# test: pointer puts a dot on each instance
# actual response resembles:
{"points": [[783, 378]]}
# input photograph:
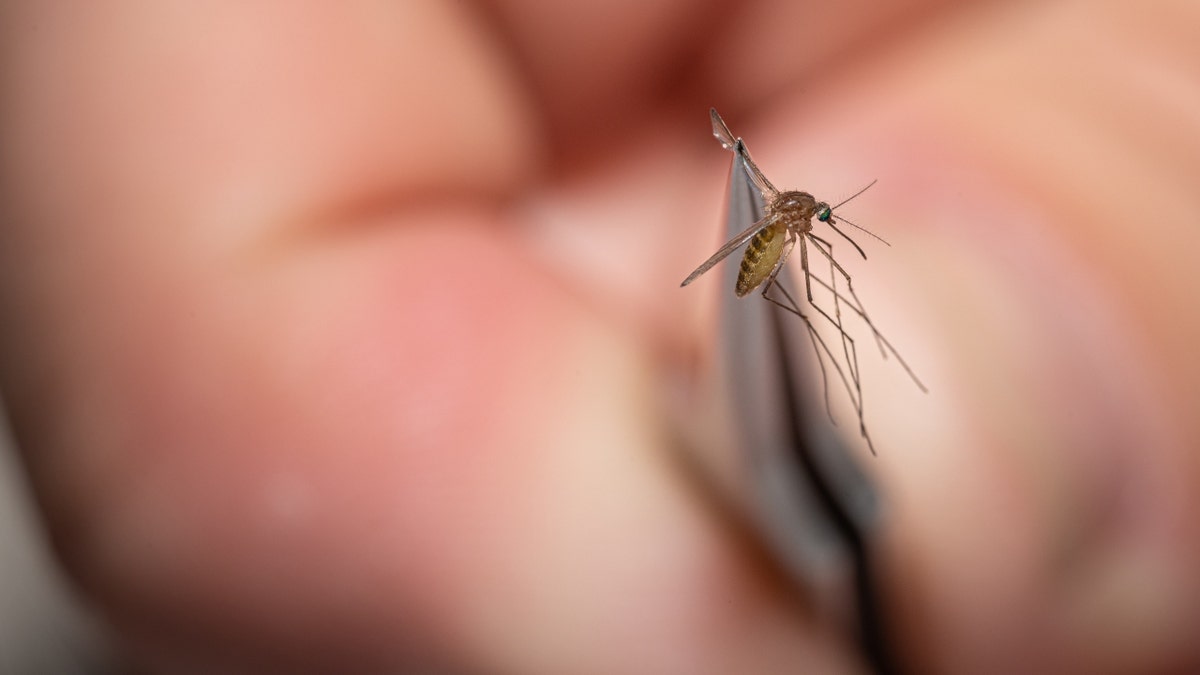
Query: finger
{"points": [[290, 392]]}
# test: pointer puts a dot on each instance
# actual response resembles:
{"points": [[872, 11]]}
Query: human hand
{"points": [[331, 336]]}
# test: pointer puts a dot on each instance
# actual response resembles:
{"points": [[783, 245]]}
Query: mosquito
{"points": [[786, 222]]}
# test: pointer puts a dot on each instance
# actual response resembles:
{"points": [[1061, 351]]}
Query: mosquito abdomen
{"points": [[760, 258]]}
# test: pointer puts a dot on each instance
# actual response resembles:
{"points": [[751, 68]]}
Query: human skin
{"points": [[334, 336]]}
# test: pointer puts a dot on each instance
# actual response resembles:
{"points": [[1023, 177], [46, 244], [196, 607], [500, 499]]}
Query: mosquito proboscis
{"points": [[787, 221]]}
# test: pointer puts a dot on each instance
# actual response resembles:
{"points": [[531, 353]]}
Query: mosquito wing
{"points": [[729, 247], [738, 147], [721, 131]]}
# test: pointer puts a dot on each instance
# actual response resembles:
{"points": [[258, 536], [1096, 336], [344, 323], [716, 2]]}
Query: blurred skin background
{"points": [[334, 337]]}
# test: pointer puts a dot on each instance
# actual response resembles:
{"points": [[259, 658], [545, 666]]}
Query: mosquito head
{"points": [[824, 213]]}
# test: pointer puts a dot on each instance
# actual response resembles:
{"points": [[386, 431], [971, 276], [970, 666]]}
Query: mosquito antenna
{"points": [[868, 187], [858, 227]]}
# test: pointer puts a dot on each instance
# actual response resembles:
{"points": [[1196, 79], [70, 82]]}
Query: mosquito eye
{"points": [[823, 216]]}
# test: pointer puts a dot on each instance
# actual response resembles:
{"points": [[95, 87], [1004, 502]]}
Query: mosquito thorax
{"points": [[795, 209]]}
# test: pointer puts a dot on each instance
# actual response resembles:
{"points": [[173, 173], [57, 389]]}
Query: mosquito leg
{"points": [[853, 391], [852, 357], [819, 344], [804, 266], [886, 343], [847, 341], [885, 346], [851, 352], [827, 251], [849, 348], [814, 338], [794, 308]]}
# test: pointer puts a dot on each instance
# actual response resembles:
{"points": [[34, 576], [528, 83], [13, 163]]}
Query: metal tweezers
{"points": [[814, 506]]}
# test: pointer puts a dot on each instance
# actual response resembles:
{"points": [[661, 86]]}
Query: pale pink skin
{"points": [[333, 337]]}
